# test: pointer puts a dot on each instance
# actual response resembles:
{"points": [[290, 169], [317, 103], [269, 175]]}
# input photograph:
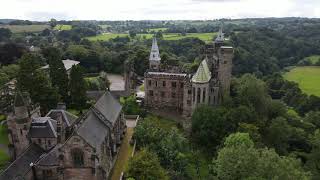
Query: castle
{"points": [[183, 92], [61, 145]]}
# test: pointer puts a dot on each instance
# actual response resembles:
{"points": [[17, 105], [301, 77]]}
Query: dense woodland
{"points": [[267, 129]]}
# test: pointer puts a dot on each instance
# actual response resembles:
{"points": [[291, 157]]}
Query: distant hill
{"points": [[6, 21]]}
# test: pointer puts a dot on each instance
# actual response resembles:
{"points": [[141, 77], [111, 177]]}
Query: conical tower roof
{"points": [[203, 74], [154, 54]]}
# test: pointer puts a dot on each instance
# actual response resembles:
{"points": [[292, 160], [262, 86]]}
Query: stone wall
{"points": [[165, 91]]}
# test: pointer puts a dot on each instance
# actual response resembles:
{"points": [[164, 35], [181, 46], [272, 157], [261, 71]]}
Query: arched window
{"points": [[77, 157]]}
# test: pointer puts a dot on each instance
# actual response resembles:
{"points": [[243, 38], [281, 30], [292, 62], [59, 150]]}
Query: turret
{"points": [[154, 59], [219, 41], [18, 126], [200, 85]]}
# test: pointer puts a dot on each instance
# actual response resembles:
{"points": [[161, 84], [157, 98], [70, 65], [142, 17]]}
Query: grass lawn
{"points": [[157, 29], [313, 59], [4, 135], [4, 158], [124, 156], [2, 117], [62, 27], [25, 28], [308, 78], [207, 37], [106, 37]]}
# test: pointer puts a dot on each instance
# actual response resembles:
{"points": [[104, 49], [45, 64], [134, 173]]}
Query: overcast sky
{"points": [[156, 9]]}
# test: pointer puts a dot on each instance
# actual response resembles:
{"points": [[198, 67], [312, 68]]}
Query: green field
{"points": [[62, 27], [313, 59], [207, 37], [157, 29], [308, 78], [25, 28]]}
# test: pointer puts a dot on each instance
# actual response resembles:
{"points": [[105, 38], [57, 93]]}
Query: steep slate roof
{"points": [[43, 127], [99, 120], [93, 130], [109, 107], [51, 158], [67, 117], [21, 166], [203, 74]]}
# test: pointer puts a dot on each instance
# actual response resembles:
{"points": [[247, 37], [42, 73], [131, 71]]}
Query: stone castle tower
{"points": [[19, 122], [183, 92], [154, 59], [212, 79]]}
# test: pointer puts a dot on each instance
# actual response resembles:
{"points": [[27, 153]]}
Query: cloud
{"points": [[155, 9]]}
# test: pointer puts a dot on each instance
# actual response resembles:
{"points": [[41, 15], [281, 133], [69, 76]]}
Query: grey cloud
{"points": [[44, 16]]}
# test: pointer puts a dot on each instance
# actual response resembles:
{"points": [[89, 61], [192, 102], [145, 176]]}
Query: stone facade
{"points": [[61, 146], [182, 92]]}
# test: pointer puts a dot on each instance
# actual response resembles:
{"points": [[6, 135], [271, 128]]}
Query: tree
{"points": [[210, 126], [130, 106], [77, 87], [43, 93], [58, 73], [253, 92], [132, 33], [10, 53], [53, 22], [313, 159], [5, 34], [28, 63], [145, 166], [239, 159]]}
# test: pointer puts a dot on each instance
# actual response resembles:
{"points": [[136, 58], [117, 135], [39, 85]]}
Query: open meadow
{"points": [[308, 78], [25, 28], [207, 37], [61, 27]]}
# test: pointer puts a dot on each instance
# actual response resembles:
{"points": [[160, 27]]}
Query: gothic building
{"points": [[183, 92], [62, 146]]}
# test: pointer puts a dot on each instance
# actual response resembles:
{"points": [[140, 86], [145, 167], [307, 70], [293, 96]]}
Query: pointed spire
{"points": [[154, 54], [220, 37], [19, 100]]}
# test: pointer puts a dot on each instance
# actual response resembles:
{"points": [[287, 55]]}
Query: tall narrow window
{"points": [[204, 95], [164, 83], [193, 94], [198, 95], [149, 82], [174, 84], [156, 83], [173, 95], [151, 93], [77, 157]]}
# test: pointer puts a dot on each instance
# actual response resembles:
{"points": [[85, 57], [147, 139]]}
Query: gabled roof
{"points": [[203, 74], [21, 166], [109, 107], [51, 158], [66, 117], [93, 130], [43, 127]]}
